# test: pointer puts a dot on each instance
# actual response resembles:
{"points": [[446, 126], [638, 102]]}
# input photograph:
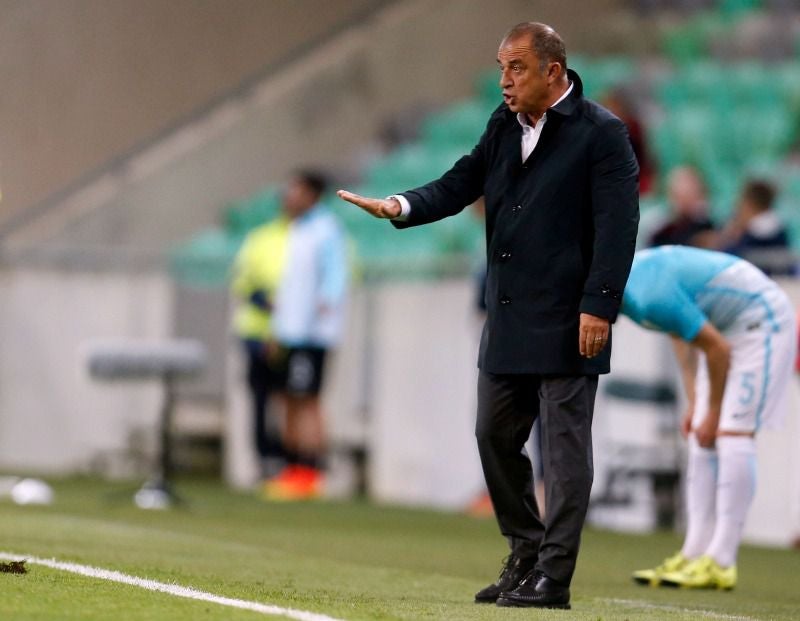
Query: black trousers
{"points": [[508, 405], [261, 379]]}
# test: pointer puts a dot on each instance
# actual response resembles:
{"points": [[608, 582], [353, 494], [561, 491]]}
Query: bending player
{"points": [[735, 337]]}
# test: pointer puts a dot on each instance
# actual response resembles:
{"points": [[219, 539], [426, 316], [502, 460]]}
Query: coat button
{"points": [[505, 256], [516, 208], [505, 300]]}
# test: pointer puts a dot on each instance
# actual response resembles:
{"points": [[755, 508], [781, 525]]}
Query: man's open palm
{"points": [[378, 207]]}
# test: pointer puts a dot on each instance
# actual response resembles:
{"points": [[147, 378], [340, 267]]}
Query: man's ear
{"points": [[554, 71]]}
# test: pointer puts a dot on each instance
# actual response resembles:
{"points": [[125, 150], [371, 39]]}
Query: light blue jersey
{"points": [[309, 303], [676, 289]]}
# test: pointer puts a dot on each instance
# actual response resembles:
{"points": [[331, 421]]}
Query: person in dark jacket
{"points": [[560, 183], [756, 231], [689, 223]]}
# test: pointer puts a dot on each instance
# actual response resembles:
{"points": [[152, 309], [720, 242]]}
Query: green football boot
{"points": [[652, 577], [702, 573]]}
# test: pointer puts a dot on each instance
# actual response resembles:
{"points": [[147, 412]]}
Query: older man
{"points": [[560, 183]]}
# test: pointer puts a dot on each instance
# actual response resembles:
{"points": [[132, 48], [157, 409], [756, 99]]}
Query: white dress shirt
{"points": [[532, 133]]}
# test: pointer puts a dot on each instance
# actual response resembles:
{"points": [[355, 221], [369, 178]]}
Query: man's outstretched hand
{"points": [[378, 207]]}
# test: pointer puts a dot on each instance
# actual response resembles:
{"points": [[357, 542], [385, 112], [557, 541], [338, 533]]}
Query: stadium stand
{"points": [[703, 105]]}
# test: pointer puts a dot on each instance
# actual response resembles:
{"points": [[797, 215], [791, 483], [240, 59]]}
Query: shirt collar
{"points": [[522, 118]]}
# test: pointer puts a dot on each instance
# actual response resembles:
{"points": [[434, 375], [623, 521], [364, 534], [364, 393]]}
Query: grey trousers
{"points": [[507, 407]]}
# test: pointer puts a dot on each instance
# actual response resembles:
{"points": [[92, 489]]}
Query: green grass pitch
{"points": [[349, 560]]}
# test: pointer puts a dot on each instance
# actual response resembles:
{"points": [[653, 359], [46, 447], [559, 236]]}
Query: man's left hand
{"points": [[593, 334]]}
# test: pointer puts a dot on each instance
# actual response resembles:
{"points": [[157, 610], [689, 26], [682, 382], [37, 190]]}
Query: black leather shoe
{"points": [[536, 590], [514, 570]]}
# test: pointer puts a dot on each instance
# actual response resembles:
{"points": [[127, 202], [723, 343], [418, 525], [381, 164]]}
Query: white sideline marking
{"points": [[635, 603], [170, 589]]}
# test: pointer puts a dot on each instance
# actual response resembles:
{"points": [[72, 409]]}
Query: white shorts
{"points": [[763, 348]]}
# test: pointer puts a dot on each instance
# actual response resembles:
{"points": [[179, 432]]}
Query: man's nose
{"points": [[505, 79]]}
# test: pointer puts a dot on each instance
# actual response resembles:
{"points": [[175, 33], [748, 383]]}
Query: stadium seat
{"points": [[683, 45], [205, 260], [458, 126], [729, 8], [600, 75], [244, 215], [487, 88], [411, 166]]}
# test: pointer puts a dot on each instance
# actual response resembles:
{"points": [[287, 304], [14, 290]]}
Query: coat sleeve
{"points": [[614, 180], [459, 187]]}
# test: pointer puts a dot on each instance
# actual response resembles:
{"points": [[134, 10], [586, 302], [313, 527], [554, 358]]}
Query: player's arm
{"points": [[718, 356], [686, 355], [677, 314]]}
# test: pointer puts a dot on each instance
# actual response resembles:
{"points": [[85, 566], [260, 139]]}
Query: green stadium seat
{"points": [[662, 143], [754, 83], [458, 126], [606, 74], [689, 42], [685, 45], [411, 166], [731, 8], [786, 79], [206, 259], [702, 81], [723, 181], [487, 88], [788, 203], [245, 215], [462, 234]]}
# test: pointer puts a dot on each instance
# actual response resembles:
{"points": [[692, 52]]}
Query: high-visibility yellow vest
{"points": [[258, 267]]}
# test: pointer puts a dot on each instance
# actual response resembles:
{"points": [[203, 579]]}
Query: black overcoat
{"points": [[560, 231]]}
